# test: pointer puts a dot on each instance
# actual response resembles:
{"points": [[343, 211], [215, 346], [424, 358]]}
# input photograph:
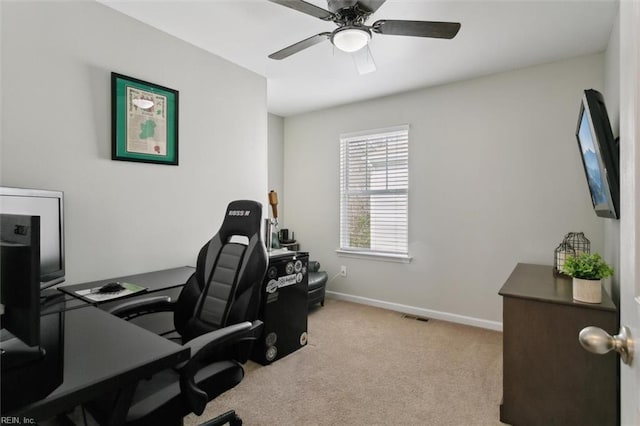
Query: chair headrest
{"points": [[243, 217]]}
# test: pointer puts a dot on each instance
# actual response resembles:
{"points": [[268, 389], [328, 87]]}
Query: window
{"points": [[374, 192]]}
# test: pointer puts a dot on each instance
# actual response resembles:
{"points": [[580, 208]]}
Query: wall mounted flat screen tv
{"points": [[49, 206], [600, 154]]}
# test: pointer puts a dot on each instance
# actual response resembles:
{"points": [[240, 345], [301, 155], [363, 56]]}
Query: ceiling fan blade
{"points": [[416, 28], [308, 8], [364, 60], [301, 45]]}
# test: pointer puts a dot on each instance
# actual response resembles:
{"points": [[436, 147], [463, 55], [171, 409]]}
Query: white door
{"points": [[630, 204]]}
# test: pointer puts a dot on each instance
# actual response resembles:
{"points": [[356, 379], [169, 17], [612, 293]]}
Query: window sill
{"points": [[385, 257]]}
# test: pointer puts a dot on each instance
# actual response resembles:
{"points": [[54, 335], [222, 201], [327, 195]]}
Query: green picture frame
{"points": [[144, 121]]}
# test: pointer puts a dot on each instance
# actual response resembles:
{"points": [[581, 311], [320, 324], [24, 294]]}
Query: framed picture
{"points": [[144, 120]]}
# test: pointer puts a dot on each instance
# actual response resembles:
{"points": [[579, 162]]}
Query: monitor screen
{"points": [[599, 154], [49, 206], [595, 179]]}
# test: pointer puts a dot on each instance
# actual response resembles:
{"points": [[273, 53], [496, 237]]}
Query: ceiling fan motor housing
{"points": [[366, 6], [337, 5], [351, 12]]}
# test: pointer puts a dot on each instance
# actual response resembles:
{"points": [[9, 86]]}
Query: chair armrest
{"points": [[139, 307], [217, 337], [206, 349], [208, 345]]}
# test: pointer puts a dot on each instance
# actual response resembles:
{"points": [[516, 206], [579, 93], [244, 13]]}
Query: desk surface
{"points": [[153, 281], [101, 354]]}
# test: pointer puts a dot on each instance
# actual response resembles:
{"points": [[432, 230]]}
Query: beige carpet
{"points": [[370, 366]]}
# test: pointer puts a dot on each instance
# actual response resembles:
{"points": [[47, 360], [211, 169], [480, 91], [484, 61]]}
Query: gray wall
{"points": [[124, 217], [495, 179], [276, 162]]}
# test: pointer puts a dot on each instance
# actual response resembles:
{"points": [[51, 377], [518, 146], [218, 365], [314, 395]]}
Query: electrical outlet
{"points": [[343, 271]]}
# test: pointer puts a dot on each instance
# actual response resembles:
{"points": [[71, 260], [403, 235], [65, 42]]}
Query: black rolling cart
{"points": [[283, 307]]}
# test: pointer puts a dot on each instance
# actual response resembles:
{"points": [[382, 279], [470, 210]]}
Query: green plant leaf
{"points": [[587, 266]]}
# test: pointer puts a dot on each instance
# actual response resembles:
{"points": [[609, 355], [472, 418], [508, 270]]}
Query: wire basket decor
{"points": [[573, 244]]}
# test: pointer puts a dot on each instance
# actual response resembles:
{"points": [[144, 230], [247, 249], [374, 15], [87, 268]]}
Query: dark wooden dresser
{"points": [[548, 378]]}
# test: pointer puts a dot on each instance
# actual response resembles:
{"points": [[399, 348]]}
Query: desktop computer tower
{"points": [[283, 307]]}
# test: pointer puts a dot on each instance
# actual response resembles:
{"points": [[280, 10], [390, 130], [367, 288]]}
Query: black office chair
{"points": [[215, 315]]}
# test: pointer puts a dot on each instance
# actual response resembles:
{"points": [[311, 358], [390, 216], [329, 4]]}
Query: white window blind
{"points": [[374, 191]]}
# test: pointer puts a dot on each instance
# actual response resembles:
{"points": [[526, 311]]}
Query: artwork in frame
{"points": [[144, 119]]}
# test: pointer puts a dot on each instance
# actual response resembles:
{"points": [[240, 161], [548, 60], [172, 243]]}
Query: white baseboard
{"points": [[427, 313]]}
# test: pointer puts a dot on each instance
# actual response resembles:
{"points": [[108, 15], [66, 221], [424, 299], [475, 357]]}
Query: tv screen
{"points": [[49, 206], [599, 153]]}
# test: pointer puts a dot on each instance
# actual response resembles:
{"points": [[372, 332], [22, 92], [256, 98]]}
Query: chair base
{"points": [[229, 417]]}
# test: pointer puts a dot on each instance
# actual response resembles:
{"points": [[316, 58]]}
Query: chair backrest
{"points": [[225, 288]]}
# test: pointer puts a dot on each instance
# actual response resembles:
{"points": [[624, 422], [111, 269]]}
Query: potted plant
{"points": [[588, 271]]}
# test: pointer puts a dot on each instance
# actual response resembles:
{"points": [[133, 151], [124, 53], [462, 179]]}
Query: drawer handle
{"points": [[598, 341]]}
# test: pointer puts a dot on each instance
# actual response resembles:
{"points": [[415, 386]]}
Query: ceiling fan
{"points": [[353, 35]]}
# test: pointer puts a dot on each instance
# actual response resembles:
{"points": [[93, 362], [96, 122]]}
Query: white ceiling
{"points": [[495, 36]]}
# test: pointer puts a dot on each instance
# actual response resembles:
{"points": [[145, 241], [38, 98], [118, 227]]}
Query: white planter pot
{"points": [[588, 291]]}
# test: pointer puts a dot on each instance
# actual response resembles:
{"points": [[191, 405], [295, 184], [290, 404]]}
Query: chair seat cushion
{"points": [[159, 399]]}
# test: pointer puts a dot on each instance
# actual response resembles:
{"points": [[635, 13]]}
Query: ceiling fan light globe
{"points": [[351, 39]]}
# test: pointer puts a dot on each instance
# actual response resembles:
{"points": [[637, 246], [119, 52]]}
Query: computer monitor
{"points": [[32, 347], [49, 206], [20, 280]]}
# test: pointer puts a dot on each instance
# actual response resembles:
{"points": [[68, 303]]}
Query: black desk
{"points": [[97, 353], [153, 281], [102, 354], [168, 282]]}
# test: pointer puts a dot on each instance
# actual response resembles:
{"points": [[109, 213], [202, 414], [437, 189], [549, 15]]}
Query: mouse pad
{"points": [[92, 295]]}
